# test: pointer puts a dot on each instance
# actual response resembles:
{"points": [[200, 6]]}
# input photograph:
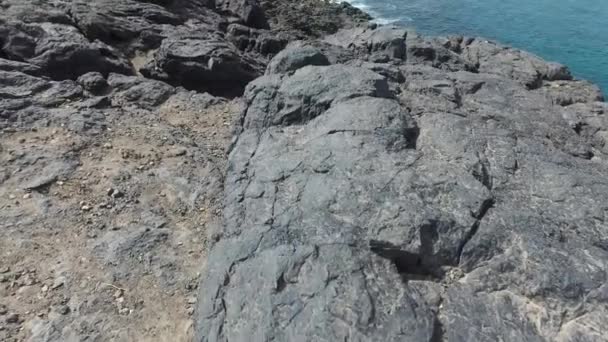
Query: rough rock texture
{"points": [[312, 18], [364, 184], [110, 183], [453, 192]]}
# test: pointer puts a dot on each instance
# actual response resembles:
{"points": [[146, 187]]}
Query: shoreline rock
{"points": [[324, 178]]}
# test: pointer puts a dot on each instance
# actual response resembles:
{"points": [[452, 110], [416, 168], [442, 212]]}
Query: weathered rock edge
{"points": [[384, 186]]}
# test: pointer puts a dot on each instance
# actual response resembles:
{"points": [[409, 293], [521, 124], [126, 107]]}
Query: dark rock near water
{"points": [[312, 18], [379, 185], [296, 56], [249, 11], [443, 196]]}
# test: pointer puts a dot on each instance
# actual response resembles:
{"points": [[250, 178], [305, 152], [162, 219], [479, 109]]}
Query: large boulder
{"points": [[131, 24], [295, 56], [249, 11], [384, 42], [263, 42], [278, 100], [412, 208], [530, 70], [204, 63], [60, 51]]}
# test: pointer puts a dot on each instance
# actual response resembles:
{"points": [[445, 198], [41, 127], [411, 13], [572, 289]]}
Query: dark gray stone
{"points": [[380, 185], [295, 56], [211, 64], [93, 82], [60, 51], [452, 205], [249, 11]]}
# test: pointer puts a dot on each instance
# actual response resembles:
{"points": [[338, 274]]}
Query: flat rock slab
{"points": [[428, 203]]}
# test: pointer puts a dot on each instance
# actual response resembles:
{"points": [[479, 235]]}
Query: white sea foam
{"points": [[384, 21], [378, 19]]}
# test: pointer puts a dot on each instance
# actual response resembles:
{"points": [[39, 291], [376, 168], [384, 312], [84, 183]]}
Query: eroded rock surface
{"points": [[420, 190], [363, 184]]}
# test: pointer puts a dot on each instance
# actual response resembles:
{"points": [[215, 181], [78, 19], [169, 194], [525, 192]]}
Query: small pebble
{"points": [[26, 196], [4, 269], [12, 318], [115, 193], [85, 208], [63, 309], [59, 281]]}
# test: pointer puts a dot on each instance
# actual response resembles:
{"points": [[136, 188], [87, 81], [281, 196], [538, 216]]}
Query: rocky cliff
{"points": [[325, 178]]}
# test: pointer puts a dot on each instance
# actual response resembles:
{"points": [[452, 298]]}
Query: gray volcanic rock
{"points": [[312, 18], [60, 51], [123, 23], [203, 63], [253, 40], [379, 185], [384, 42], [295, 56], [498, 59], [249, 11], [441, 205], [93, 82], [276, 100]]}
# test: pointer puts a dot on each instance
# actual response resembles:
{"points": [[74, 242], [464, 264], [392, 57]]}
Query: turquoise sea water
{"points": [[572, 32]]}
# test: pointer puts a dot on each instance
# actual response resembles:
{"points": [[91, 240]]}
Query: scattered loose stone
{"points": [[63, 309], [115, 193], [12, 318], [59, 281]]}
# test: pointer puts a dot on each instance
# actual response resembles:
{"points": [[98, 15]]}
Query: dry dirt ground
{"points": [[104, 228]]}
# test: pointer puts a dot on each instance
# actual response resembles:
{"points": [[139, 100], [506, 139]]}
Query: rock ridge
{"points": [[325, 178]]}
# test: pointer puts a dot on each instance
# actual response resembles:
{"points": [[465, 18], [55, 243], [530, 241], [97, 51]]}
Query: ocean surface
{"points": [[572, 32]]}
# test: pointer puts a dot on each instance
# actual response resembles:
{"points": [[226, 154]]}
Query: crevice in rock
{"points": [[475, 88], [75, 24], [482, 174], [457, 98], [411, 135], [2, 53], [411, 266], [281, 283], [483, 210], [578, 127], [438, 330]]}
